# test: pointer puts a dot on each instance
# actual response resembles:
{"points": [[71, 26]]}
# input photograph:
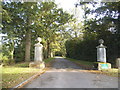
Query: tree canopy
{"points": [[101, 21], [23, 22]]}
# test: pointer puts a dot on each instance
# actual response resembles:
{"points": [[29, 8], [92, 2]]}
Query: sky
{"points": [[66, 4], [69, 6]]}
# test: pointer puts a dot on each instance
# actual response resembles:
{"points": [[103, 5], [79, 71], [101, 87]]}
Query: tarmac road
{"points": [[66, 74]]}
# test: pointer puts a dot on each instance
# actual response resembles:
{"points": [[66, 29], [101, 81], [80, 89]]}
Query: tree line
{"points": [[23, 22], [104, 24]]}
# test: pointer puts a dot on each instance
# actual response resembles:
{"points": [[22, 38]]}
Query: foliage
{"points": [[82, 50], [58, 53], [23, 22], [1, 58], [103, 25], [4, 59], [22, 64]]}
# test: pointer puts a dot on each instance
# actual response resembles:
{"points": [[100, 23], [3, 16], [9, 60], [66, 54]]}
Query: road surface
{"points": [[65, 74]]}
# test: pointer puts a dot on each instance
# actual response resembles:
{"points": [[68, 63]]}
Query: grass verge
{"points": [[17, 73], [12, 76], [84, 64], [48, 60], [111, 72], [21, 64]]}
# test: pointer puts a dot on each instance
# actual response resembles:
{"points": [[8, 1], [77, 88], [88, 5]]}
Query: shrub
{"points": [[5, 60], [23, 64]]}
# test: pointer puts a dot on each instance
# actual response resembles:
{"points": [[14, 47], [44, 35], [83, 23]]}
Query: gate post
{"points": [[38, 55], [101, 56]]}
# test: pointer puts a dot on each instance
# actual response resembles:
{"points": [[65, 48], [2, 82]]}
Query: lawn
{"points": [[81, 62], [17, 73], [111, 72], [12, 76], [48, 60]]}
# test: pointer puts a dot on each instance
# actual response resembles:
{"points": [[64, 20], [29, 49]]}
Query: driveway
{"points": [[66, 74]]}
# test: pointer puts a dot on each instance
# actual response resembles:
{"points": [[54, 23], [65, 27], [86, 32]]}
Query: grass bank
{"points": [[17, 73], [89, 65], [112, 72], [48, 60], [12, 76], [83, 64]]}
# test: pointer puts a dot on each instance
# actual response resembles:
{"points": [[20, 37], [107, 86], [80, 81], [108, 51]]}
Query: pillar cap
{"points": [[101, 41], [39, 39], [38, 45], [101, 46]]}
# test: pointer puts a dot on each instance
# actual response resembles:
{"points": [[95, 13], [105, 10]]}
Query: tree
{"points": [[20, 23], [51, 20], [106, 26], [29, 20], [103, 25]]}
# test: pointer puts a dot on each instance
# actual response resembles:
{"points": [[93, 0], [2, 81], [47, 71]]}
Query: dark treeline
{"points": [[105, 25]]}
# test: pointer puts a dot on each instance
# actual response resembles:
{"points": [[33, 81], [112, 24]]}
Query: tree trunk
{"points": [[51, 54], [76, 34], [45, 51], [28, 45], [48, 49], [12, 50], [12, 54]]}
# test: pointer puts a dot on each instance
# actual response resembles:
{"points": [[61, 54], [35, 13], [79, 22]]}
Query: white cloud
{"points": [[66, 4], [69, 6]]}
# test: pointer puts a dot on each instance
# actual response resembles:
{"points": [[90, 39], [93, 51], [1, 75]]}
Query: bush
{"points": [[5, 60], [81, 49], [23, 64], [86, 49], [1, 58]]}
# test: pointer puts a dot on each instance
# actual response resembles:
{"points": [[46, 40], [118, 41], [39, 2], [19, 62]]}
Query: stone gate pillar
{"points": [[38, 56], [101, 52], [101, 56]]}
